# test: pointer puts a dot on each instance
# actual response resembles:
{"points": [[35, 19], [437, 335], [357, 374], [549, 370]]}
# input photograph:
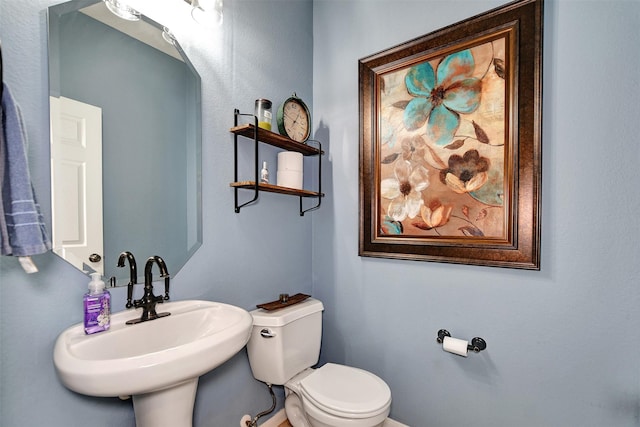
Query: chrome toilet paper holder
{"points": [[477, 344]]}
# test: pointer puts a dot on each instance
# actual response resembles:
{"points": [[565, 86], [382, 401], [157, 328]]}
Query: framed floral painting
{"points": [[450, 143]]}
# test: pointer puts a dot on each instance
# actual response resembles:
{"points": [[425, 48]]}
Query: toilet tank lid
{"points": [[286, 315]]}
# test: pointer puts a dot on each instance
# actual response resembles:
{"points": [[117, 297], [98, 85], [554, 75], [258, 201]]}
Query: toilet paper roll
{"points": [[455, 346], [291, 179], [290, 161]]}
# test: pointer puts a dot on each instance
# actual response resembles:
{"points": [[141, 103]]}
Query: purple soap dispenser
{"points": [[97, 306]]}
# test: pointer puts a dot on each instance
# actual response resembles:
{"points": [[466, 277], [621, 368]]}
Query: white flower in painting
{"points": [[404, 190]]}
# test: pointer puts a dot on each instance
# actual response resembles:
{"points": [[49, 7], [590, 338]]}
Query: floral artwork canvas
{"points": [[450, 143], [442, 146]]}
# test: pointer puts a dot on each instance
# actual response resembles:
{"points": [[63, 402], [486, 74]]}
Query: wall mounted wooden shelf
{"points": [[275, 139], [264, 136], [270, 188]]}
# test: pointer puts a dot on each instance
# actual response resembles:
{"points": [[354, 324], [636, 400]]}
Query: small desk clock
{"points": [[294, 119]]}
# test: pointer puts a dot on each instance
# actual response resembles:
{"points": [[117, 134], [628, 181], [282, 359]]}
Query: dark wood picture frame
{"points": [[464, 206]]}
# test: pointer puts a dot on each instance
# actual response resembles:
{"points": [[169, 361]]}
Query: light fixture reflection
{"points": [[122, 10], [168, 36], [207, 12]]}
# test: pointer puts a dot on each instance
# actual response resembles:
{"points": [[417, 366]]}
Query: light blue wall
{"points": [[563, 342], [563, 346], [245, 259]]}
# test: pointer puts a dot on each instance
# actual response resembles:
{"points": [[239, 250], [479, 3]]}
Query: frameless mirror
{"points": [[125, 141]]}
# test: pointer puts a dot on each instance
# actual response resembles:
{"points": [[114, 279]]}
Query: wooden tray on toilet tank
{"points": [[283, 302]]}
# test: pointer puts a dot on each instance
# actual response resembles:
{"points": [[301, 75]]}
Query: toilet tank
{"points": [[285, 342]]}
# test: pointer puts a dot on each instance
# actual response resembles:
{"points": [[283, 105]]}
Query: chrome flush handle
{"points": [[266, 333]]}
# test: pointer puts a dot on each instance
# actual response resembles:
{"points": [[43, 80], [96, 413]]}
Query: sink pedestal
{"points": [[171, 407]]}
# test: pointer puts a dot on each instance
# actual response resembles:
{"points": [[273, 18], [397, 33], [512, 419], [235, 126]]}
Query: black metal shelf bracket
{"points": [[236, 114], [320, 194]]}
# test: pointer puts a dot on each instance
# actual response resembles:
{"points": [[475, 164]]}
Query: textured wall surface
{"points": [[554, 355], [264, 49], [562, 342]]}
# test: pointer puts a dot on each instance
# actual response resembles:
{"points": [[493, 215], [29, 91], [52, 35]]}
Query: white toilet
{"points": [[283, 346]]}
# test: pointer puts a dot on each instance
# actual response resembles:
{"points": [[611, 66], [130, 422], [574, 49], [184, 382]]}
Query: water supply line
{"points": [[254, 422]]}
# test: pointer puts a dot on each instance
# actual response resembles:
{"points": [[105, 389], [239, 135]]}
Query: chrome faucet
{"points": [[149, 300], [133, 274]]}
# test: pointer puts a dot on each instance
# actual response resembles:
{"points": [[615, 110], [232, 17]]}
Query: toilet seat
{"points": [[346, 392]]}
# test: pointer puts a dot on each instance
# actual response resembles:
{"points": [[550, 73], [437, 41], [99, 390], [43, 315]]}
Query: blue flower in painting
{"points": [[440, 97], [389, 226]]}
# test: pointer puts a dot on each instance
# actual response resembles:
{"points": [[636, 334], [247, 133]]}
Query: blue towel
{"points": [[22, 228]]}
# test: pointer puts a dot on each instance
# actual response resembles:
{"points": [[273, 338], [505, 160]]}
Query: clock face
{"points": [[295, 120]]}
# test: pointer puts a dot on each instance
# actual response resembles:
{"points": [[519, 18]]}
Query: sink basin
{"points": [[149, 359]]}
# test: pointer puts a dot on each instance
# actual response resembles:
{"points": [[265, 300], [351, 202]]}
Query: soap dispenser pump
{"points": [[97, 306]]}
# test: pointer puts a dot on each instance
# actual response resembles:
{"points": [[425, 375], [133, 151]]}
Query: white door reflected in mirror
{"points": [[76, 182]]}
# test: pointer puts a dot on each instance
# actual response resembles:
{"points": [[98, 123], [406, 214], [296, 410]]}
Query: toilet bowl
{"points": [[337, 395], [285, 343]]}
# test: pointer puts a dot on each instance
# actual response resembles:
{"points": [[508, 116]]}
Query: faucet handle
{"points": [[133, 274], [167, 279], [129, 304]]}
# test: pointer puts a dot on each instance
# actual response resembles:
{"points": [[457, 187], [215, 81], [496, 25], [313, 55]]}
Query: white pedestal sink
{"points": [[158, 362]]}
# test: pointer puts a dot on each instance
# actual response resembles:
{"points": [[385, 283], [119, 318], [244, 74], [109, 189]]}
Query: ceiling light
{"points": [[207, 12], [122, 10]]}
